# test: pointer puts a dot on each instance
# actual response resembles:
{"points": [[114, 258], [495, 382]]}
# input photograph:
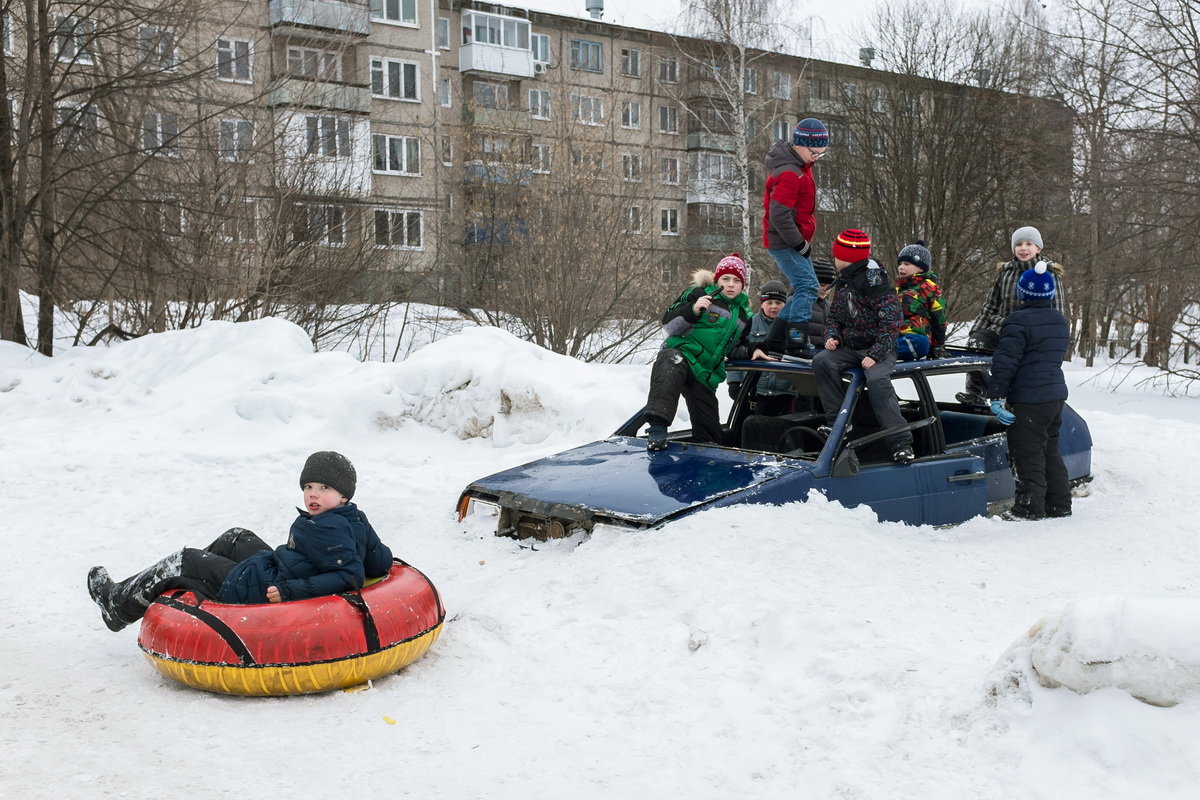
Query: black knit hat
{"points": [[332, 469], [916, 254], [773, 290], [825, 272]]}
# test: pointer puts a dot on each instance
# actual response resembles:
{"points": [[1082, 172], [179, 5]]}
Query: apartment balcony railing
{"points": [[504, 118], [320, 94], [330, 15], [703, 140], [496, 59]]}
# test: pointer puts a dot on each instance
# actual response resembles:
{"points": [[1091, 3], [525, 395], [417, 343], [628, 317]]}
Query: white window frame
{"points": [[750, 80], [315, 63], [668, 119], [539, 103], [158, 47], [495, 30], [446, 92], [633, 220], [631, 115], [231, 63], [328, 136], [74, 39], [631, 167], [781, 85], [539, 45], [328, 222], [443, 33], [244, 226], [668, 221], [631, 62], [588, 109], [587, 55], [540, 156], [239, 133], [159, 124], [668, 69], [668, 167], [405, 149], [389, 81], [396, 12], [398, 219], [781, 131]]}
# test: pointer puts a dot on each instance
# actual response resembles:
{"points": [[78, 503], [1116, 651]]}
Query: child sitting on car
{"points": [[706, 324], [923, 331]]}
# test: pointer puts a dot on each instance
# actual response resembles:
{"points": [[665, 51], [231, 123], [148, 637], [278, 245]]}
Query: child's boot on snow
{"points": [[126, 602]]}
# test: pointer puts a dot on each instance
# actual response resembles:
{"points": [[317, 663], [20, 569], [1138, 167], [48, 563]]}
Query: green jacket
{"points": [[706, 341]]}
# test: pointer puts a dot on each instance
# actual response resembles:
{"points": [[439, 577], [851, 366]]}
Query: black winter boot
{"points": [[798, 345], [126, 602]]}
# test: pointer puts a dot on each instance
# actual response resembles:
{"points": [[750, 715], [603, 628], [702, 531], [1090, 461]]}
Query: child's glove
{"points": [[734, 389], [804, 248], [1005, 416]]}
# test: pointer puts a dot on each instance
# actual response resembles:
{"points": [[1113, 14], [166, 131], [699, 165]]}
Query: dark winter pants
{"points": [[1041, 477], [828, 366], [671, 378], [204, 571]]}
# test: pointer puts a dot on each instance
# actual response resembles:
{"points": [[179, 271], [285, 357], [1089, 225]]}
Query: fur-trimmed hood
{"points": [[703, 277]]}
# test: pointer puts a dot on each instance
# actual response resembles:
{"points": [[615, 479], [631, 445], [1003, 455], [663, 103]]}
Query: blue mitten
{"points": [[1005, 416]]}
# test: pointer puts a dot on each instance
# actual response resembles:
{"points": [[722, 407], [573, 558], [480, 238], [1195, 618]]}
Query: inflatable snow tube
{"points": [[297, 647]]}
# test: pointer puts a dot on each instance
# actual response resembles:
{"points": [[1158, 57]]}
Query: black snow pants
{"points": [[671, 378], [1042, 486]]}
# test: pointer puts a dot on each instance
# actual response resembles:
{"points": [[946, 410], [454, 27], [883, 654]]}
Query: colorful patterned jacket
{"points": [[922, 306], [865, 312]]}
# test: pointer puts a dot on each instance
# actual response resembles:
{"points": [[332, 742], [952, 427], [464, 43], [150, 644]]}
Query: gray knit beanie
{"points": [[1026, 234], [917, 254], [332, 469]]}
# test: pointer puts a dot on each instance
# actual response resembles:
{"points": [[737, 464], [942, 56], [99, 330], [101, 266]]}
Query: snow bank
{"points": [[1148, 646]]}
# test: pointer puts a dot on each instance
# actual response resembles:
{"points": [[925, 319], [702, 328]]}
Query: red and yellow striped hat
{"points": [[852, 245]]}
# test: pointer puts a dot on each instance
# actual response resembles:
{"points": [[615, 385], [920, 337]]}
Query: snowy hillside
{"points": [[806, 651]]}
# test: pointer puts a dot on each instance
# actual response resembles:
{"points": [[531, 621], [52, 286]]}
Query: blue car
{"points": [[772, 453]]}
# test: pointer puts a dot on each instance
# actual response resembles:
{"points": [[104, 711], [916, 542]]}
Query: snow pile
{"points": [[1146, 646]]}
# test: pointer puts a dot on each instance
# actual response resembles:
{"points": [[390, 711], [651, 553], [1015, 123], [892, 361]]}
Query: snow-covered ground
{"points": [[806, 651]]}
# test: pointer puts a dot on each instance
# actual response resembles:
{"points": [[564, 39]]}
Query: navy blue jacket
{"points": [[325, 554], [1027, 364]]}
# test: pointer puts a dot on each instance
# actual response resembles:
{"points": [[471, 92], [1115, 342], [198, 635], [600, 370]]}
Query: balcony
{"points": [[320, 94], [496, 59], [717, 191], [503, 118], [703, 140], [498, 172], [329, 15]]}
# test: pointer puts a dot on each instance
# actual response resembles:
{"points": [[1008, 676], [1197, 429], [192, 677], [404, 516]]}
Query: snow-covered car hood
{"points": [[618, 479]]}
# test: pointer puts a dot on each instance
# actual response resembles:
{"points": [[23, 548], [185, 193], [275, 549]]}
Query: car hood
{"points": [[619, 480]]}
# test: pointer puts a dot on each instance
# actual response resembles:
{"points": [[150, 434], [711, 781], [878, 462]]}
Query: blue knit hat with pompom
{"points": [[1036, 283]]}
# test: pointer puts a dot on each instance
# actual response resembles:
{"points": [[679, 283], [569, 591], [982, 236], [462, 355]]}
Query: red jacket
{"points": [[789, 199]]}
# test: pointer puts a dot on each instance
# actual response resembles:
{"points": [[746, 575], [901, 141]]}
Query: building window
{"points": [[166, 215], [751, 80], [589, 164], [328, 136], [633, 219], [539, 43], [394, 80], [397, 155], [445, 92], [877, 101], [74, 39], [631, 165], [631, 115], [156, 47], [587, 56], [588, 109], [79, 127], [482, 28], [541, 158], [631, 63], [850, 94], [320, 224], [715, 218], [233, 59], [706, 165], [879, 145], [443, 33], [399, 230], [322, 65], [238, 220], [668, 119], [669, 221], [160, 133], [403, 12], [780, 132], [781, 85], [539, 103], [669, 170], [489, 95], [447, 152], [851, 140], [668, 69], [234, 137]]}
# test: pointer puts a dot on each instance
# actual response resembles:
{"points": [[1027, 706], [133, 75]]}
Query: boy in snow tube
{"points": [[331, 548]]}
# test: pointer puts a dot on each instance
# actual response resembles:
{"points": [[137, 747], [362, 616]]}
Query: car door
{"points": [[938, 488]]}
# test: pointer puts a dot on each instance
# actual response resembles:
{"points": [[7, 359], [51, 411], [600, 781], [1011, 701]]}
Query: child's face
{"points": [[319, 498], [770, 308], [1025, 251], [907, 268], [731, 285]]}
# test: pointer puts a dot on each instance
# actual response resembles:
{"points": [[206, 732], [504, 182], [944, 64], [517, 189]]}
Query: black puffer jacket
{"points": [[1027, 364]]}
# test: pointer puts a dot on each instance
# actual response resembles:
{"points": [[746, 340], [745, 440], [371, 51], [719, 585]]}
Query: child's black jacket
{"points": [[1027, 364]]}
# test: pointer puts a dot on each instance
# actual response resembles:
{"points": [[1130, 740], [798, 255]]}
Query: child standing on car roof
{"points": [[1027, 371], [703, 326], [864, 319], [923, 331]]}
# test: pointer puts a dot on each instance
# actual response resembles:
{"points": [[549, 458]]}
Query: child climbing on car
{"points": [[707, 323], [331, 548]]}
